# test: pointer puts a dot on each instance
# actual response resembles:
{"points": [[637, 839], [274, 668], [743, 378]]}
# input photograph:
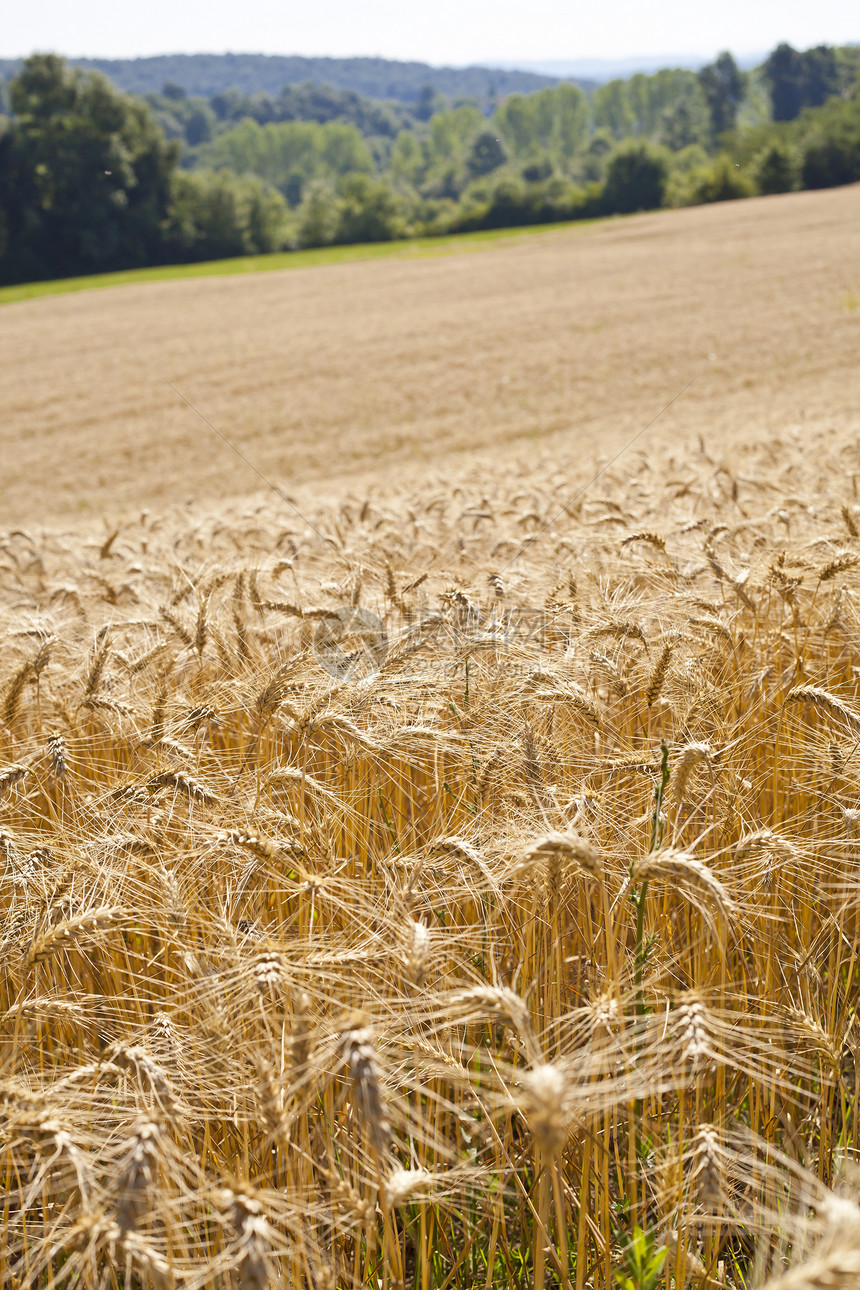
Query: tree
{"points": [[638, 97], [7, 192], [290, 151], [309, 102], [552, 122], [636, 179], [227, 106], [592, 166], [669, 89], [486, 154], [87, 175], [797, 80], [428, 103], [612, 109], [198, 125], [720, 181], [776, 168], [685, 120], [831, 156], [568, 108], [216, 216], [821, 75], [538, 170], [783, 71], [319, 215], [407, 158], [369, 211], [723, 85], [516, 125], [452, 134]]}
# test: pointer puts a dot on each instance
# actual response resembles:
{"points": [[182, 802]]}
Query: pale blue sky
{"points": [[435, 31]]}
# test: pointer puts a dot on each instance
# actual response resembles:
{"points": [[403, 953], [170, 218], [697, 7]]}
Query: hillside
{"points": [[380, 78], [577, 336]]}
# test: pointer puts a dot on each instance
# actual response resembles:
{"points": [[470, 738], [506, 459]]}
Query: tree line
{"points": [[92, 179], [376, 78]]}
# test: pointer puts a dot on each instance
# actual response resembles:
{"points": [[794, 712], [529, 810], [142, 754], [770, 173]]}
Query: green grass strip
{"points": [[412, 247]]}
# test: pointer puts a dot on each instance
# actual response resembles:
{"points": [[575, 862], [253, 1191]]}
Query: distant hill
{"points": [[607, 69], [378, 78]]}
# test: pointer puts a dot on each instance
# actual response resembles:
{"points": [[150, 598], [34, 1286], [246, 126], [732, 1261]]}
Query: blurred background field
{"points": [[575, 337]]}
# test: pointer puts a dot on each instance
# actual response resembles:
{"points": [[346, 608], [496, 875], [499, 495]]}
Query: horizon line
{"points": [[499, 63]]}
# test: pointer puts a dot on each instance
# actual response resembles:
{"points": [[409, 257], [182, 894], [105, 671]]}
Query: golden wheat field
{"points": [[453, 885]]}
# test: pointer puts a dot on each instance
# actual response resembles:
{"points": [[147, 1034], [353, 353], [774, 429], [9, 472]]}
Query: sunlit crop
{"points": [[457, 891]]}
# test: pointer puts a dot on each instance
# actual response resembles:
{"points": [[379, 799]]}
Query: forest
{"points": [[378, 78], [93, 179]]}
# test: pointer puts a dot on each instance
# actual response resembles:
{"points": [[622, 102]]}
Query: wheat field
{"points": [[325, 374], [450, 883]]}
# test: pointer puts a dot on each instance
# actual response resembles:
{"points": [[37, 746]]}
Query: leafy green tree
{"points": [[87, 175], [508, 201], [264, 217], [552, 122], [777, 168], [723, 85], [342, 150], [636, 178], [592, 166], [407, 158], [261, 108], [831, 153], [451, 136], [821, 75], [369, 211], [667, 88], [638, 93], [227, 105], [280, 152], [8, 203], [515, 122], [538, 170], [755, 109], [783, 71], [319, 215], [848, 62], [685, 165], [294, 188], [486, 154], [567, 117], [429, 103], [685, 120], [799, 79], [446, 150], [198, 125], [322, 103], [669, 106], [720, 181], [216, 215], [612, 109]]}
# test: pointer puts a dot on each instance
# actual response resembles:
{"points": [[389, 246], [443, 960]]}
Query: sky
{"points": [[452, 32]]}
